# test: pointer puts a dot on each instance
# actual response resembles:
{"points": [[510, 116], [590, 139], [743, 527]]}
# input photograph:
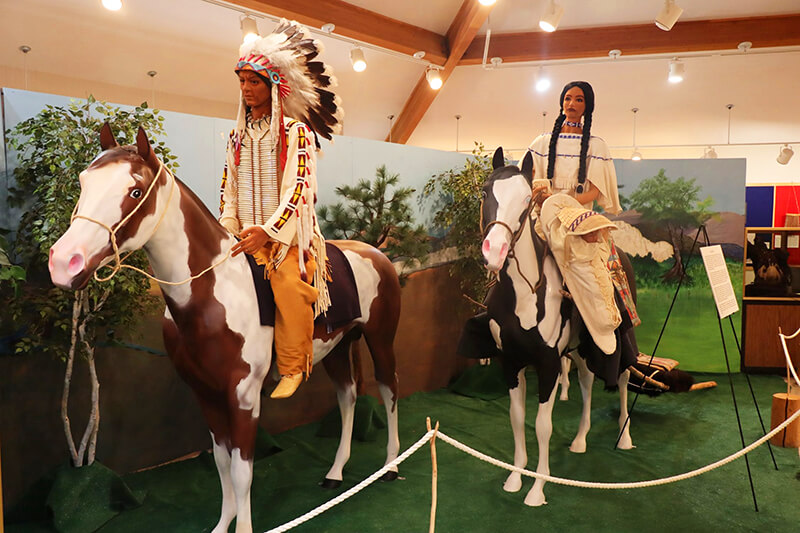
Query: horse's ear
{"points": [[497, 159], [107, 139], [527, 166], [143, 144]]}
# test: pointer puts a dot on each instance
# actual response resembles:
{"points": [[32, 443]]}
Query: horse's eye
{"points": [[136, 194]]}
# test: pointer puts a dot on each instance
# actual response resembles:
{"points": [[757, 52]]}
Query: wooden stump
{"points": [[783, 406]]}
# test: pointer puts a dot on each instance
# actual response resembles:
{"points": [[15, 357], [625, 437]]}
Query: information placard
{"points": [[720, 280]]}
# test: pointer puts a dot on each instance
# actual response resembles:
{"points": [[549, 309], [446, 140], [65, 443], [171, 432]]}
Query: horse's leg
{"points": [[337, 364], [566, 363], [380, 347], [544, 428], [625, 442], [586, 379], [222, 458], [516, 413], [243, 437]]}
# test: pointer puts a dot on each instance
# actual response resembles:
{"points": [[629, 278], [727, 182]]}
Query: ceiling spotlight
{"points": [[357, 59], [542, 80], [636, 156], [496, 61], [487, 2], [112, 5], [328, 27], [249, 29], [785, 154], [676, 70], [433, 77], [419, 54], [551, 16], [615, 53], [668, 16], [744, 46], [710, 153]]}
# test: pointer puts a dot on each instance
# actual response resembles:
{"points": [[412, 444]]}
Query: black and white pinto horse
{"points": [[530, 318], [211, 324]]}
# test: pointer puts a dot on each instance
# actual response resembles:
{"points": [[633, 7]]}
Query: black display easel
{"points": [[702, 229]]}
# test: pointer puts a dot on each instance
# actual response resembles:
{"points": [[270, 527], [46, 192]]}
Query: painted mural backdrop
{"points": [[666, 200]]}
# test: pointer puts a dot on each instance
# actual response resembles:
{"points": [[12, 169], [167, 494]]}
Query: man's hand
{"points": [[253, 239]]}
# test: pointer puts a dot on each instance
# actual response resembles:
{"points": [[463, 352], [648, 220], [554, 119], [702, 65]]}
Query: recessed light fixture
{"points": [[357, 59], [668, 15], [328, 27], [785, 154], [676, 70], [419, 54], [112, 5], [541, 80], [434, 78], [249, 29], [551, 16]]}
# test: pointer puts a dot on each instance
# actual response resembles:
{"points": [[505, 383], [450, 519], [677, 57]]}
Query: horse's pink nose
{"points": [[486, 246]]}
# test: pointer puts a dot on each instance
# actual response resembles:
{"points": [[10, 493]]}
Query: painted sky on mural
{"points": [[721, 179]]}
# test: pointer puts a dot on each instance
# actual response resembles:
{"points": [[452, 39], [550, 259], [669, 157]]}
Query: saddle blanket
{"points": [[344, 306]]}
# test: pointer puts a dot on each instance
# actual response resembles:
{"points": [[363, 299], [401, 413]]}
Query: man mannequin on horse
{"points": [[269, 187]]}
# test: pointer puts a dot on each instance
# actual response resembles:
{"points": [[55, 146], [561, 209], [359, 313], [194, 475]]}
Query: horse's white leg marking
{"points": [[347, 402], [242, 477], [586, 379], [393, 442], [223, 460], [566, 363], [516, 413], [625, 443], [544, 428], [494, 329]]}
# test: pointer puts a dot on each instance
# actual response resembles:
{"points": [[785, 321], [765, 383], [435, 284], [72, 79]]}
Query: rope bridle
{"points": [[515, 236], [119, 261]]}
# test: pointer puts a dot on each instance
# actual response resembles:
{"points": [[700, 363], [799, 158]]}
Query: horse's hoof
{"points": [[389, 476], [513, 483], [578, 447], [328, 483], [564, 396], [625, 445], [535, 500]]}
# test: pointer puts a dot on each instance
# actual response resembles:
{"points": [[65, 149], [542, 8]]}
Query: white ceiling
{"points": [[192, 45]]}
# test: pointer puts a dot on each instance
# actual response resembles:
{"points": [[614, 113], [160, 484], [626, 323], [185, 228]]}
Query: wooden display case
{"points": [[762, 315]]}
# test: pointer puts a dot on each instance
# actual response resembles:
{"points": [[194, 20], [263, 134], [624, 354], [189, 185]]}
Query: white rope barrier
{"points": [[550, 479], [353, 491], [629, 485]]}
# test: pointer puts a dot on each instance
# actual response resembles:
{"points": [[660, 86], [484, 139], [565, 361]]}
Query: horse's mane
{"points": [[503, 173]]}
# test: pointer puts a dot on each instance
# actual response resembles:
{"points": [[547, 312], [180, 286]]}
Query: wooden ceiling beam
{"points": [[356, 23], [638, 39], [462, 31]]}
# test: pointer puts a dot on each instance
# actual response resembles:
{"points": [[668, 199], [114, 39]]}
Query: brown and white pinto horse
{"points": [[211, 324]]}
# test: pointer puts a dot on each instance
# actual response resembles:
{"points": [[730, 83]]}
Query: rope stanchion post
{"points": [[434, 473]]}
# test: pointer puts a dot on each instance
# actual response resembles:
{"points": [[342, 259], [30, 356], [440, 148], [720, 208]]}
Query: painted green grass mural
{"points": [[667, 200]]}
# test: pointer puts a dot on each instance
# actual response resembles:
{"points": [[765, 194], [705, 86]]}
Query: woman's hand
{"points": [[253, 239], [540, 194]]}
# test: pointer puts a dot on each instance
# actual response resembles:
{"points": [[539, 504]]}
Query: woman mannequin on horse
{"points": [[580, 172], [269, 187]]}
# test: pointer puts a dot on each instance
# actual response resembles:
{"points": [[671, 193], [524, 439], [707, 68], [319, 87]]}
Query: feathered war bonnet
{"points": [[301, 87]]}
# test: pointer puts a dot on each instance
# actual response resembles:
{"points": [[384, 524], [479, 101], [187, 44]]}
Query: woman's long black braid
{"points": [[588, 98]]}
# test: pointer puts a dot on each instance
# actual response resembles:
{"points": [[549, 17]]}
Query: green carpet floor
{"points": [[672, 434]]}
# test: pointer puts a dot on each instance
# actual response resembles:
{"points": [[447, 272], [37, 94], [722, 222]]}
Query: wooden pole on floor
{"points": [[2, 521]]}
